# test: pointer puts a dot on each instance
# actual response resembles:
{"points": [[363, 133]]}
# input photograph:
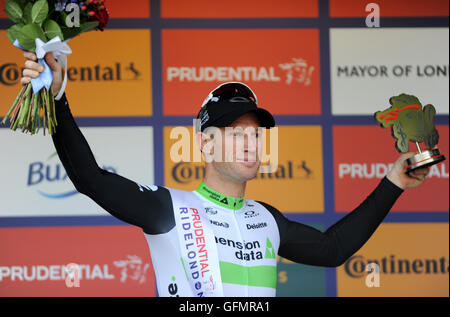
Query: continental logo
{"points": [[294, 71], [185, 172], [355, 267], [10, 73], [113, 72]]}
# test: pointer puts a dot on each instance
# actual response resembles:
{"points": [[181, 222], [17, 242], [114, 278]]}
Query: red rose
{"points": [[102, 17]]}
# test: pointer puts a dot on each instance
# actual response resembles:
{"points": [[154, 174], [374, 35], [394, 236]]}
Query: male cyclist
{"points": [[211, 241]]}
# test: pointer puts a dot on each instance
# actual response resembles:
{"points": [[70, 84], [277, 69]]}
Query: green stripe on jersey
{"points": [[261, 275], [222, 200]]}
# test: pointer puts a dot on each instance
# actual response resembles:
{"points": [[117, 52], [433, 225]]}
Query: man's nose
{"points": [[250, 143]]}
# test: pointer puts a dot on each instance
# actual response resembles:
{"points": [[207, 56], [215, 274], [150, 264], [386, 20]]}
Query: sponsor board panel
{"points": [[196, 61], [389, 8], [412, 260], [2, 8], [132, 8], [300, 280], [116, 82], [116, 9], [111, 83], [247, 9], [296, 185], [112, 261], [362, 157], [183, 165], [11, 67], [388, 62], [34, 181]]}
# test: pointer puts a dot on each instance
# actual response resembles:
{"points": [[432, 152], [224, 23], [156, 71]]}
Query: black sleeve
{"points": [[123, 198], [304, 244]]}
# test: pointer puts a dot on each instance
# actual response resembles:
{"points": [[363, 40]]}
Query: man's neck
{"points": [[225, 186]]}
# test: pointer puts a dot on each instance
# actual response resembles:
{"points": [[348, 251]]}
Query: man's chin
{"points": [[249, 170]]}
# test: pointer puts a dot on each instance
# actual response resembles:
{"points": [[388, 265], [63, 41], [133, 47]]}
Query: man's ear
{"points": [[202, 140], [209, 143]]}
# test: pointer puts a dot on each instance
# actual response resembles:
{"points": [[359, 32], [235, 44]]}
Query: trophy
{"points": [[410, 122]]}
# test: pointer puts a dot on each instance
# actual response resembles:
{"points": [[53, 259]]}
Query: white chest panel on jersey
{"points": [[247, 241]]}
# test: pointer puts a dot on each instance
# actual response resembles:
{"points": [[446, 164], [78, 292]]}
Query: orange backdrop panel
{"points": [[296, 186], [412, 259], [239, 9]]}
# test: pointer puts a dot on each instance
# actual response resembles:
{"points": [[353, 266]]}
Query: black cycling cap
{"points": [[227, 103]]}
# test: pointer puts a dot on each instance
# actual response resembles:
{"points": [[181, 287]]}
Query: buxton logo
{"points": [[51, 172], [10, 73], [296, 70]]}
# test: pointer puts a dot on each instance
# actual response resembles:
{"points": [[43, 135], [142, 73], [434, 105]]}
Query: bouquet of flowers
{"points": [[43, 26]]}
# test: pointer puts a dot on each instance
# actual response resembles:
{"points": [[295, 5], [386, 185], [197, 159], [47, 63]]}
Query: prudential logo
{"points": [[50, 179], [296, 70]]}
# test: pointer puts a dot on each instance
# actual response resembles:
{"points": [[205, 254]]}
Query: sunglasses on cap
{"points": [[231, 91], [227, 103]]}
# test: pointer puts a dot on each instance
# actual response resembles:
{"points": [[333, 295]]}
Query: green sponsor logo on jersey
{"points": [[270, 252]]}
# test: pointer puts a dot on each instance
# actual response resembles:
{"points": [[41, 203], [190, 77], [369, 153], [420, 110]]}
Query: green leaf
{"points": [[28, 34], [52, 29], [70, 32], [12, 32], [27, 13], [22, 3], [89, 26], [39, 11], [13, 11]]}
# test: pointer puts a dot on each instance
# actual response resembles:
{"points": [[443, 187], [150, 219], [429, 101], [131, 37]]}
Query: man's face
{"points": [[237, 149]]}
